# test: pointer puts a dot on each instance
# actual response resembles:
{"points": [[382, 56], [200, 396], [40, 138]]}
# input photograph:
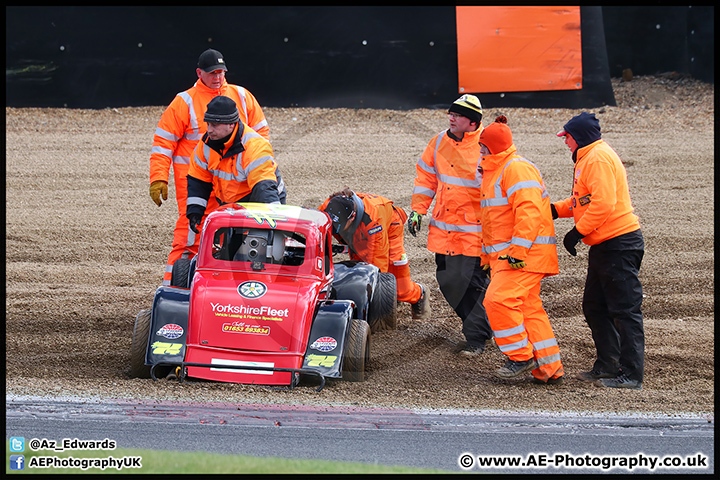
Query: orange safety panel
{"points": [[518, 49]]}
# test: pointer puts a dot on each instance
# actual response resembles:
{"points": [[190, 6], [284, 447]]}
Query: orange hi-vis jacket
{"points": [[182, 126], [447, 173], [369, 235], [246, 162], [376, 237], [600, 201], [515, 214]]}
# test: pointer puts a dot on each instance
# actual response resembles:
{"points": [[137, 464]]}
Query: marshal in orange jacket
{"points": [[376, 237], [600, 201], [245, 172], [179, 130], [447, 172], [182, 126]]}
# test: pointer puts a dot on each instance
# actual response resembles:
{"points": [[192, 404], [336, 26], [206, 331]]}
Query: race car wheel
{"points": [[141, 332], [383, 306], [181, 273], [357, 351]]}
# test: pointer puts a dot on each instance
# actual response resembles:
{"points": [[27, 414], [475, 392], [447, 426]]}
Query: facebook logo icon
{"points": [[17, 462]]}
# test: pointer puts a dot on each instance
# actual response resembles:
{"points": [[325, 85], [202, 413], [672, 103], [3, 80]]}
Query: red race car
{"points": [[264, 303]]}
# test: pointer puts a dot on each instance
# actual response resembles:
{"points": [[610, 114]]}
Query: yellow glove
{"points": [[514, 262], [158, 188]]}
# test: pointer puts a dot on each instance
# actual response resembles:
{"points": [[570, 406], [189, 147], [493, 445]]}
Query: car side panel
{"points": [[326, 342], [168, 326]]}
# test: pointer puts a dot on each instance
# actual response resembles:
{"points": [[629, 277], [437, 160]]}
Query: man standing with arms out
{"points": [[372, 227], [233, 163], [179, 130], [447, 172], [520, 250], [604, 219]]}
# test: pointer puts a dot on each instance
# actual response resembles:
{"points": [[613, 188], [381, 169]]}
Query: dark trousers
{"points": [[612, 304], [463, 283]]}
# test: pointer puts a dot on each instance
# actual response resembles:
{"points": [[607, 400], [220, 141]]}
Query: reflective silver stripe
{"points": [[455, 228], [548, 360], [191, 235], [240, 177], [459, 181], [431, 170], [522, 242], [166, 283], [241, 94], [513, 346], [401, 262], [196, 201], [524, 184], [255, 164], [206, 153], [495, 248], [424, 191], [193, 116], [509, 332], [545, 344], [281, 182], [248, 134], [166, 135], [162, 151], [546, 240], [494, 202], [193, 137], [260, 125], [179, 159], [437, 144]]}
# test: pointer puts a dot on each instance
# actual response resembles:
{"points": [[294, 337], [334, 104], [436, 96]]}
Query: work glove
{"points": [[571, 239], [486, 270], [194, 219], [554, 211], [414, 223], [514, 262], [340, 249], [158, 188]]}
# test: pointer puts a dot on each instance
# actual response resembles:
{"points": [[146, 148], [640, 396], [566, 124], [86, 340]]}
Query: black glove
{"points": [[554, 211], [571, 239], [194, 219], [485, 271]]}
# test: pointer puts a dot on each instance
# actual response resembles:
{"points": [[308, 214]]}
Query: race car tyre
{"points": [[357, 351], [383, 306], [138, 348], [141, 331], [181, 273]]}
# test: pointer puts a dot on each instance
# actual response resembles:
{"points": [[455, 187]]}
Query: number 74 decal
{"points": [[164, 348], [321, 360]]}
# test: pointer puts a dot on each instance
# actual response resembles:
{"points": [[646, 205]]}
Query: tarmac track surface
{"points": [[438, 439]]}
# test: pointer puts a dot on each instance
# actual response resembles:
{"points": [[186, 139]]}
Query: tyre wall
{"points": [[358, 57]]}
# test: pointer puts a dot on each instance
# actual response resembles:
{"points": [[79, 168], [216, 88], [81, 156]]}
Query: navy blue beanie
{"points": [[584, 128]]}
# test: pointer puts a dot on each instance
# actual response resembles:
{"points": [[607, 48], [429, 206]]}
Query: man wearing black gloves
{"points": [[604, 219]]}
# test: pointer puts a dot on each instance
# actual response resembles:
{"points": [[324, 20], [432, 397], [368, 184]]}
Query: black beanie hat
{"points": [[468, 106], [340, 208], [222, 109]]}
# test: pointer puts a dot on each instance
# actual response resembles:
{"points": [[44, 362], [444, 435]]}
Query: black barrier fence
{"points": [[358, 57]]}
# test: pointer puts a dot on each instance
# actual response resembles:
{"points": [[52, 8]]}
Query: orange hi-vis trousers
{"points": [[519, 322], [185, 241]]}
